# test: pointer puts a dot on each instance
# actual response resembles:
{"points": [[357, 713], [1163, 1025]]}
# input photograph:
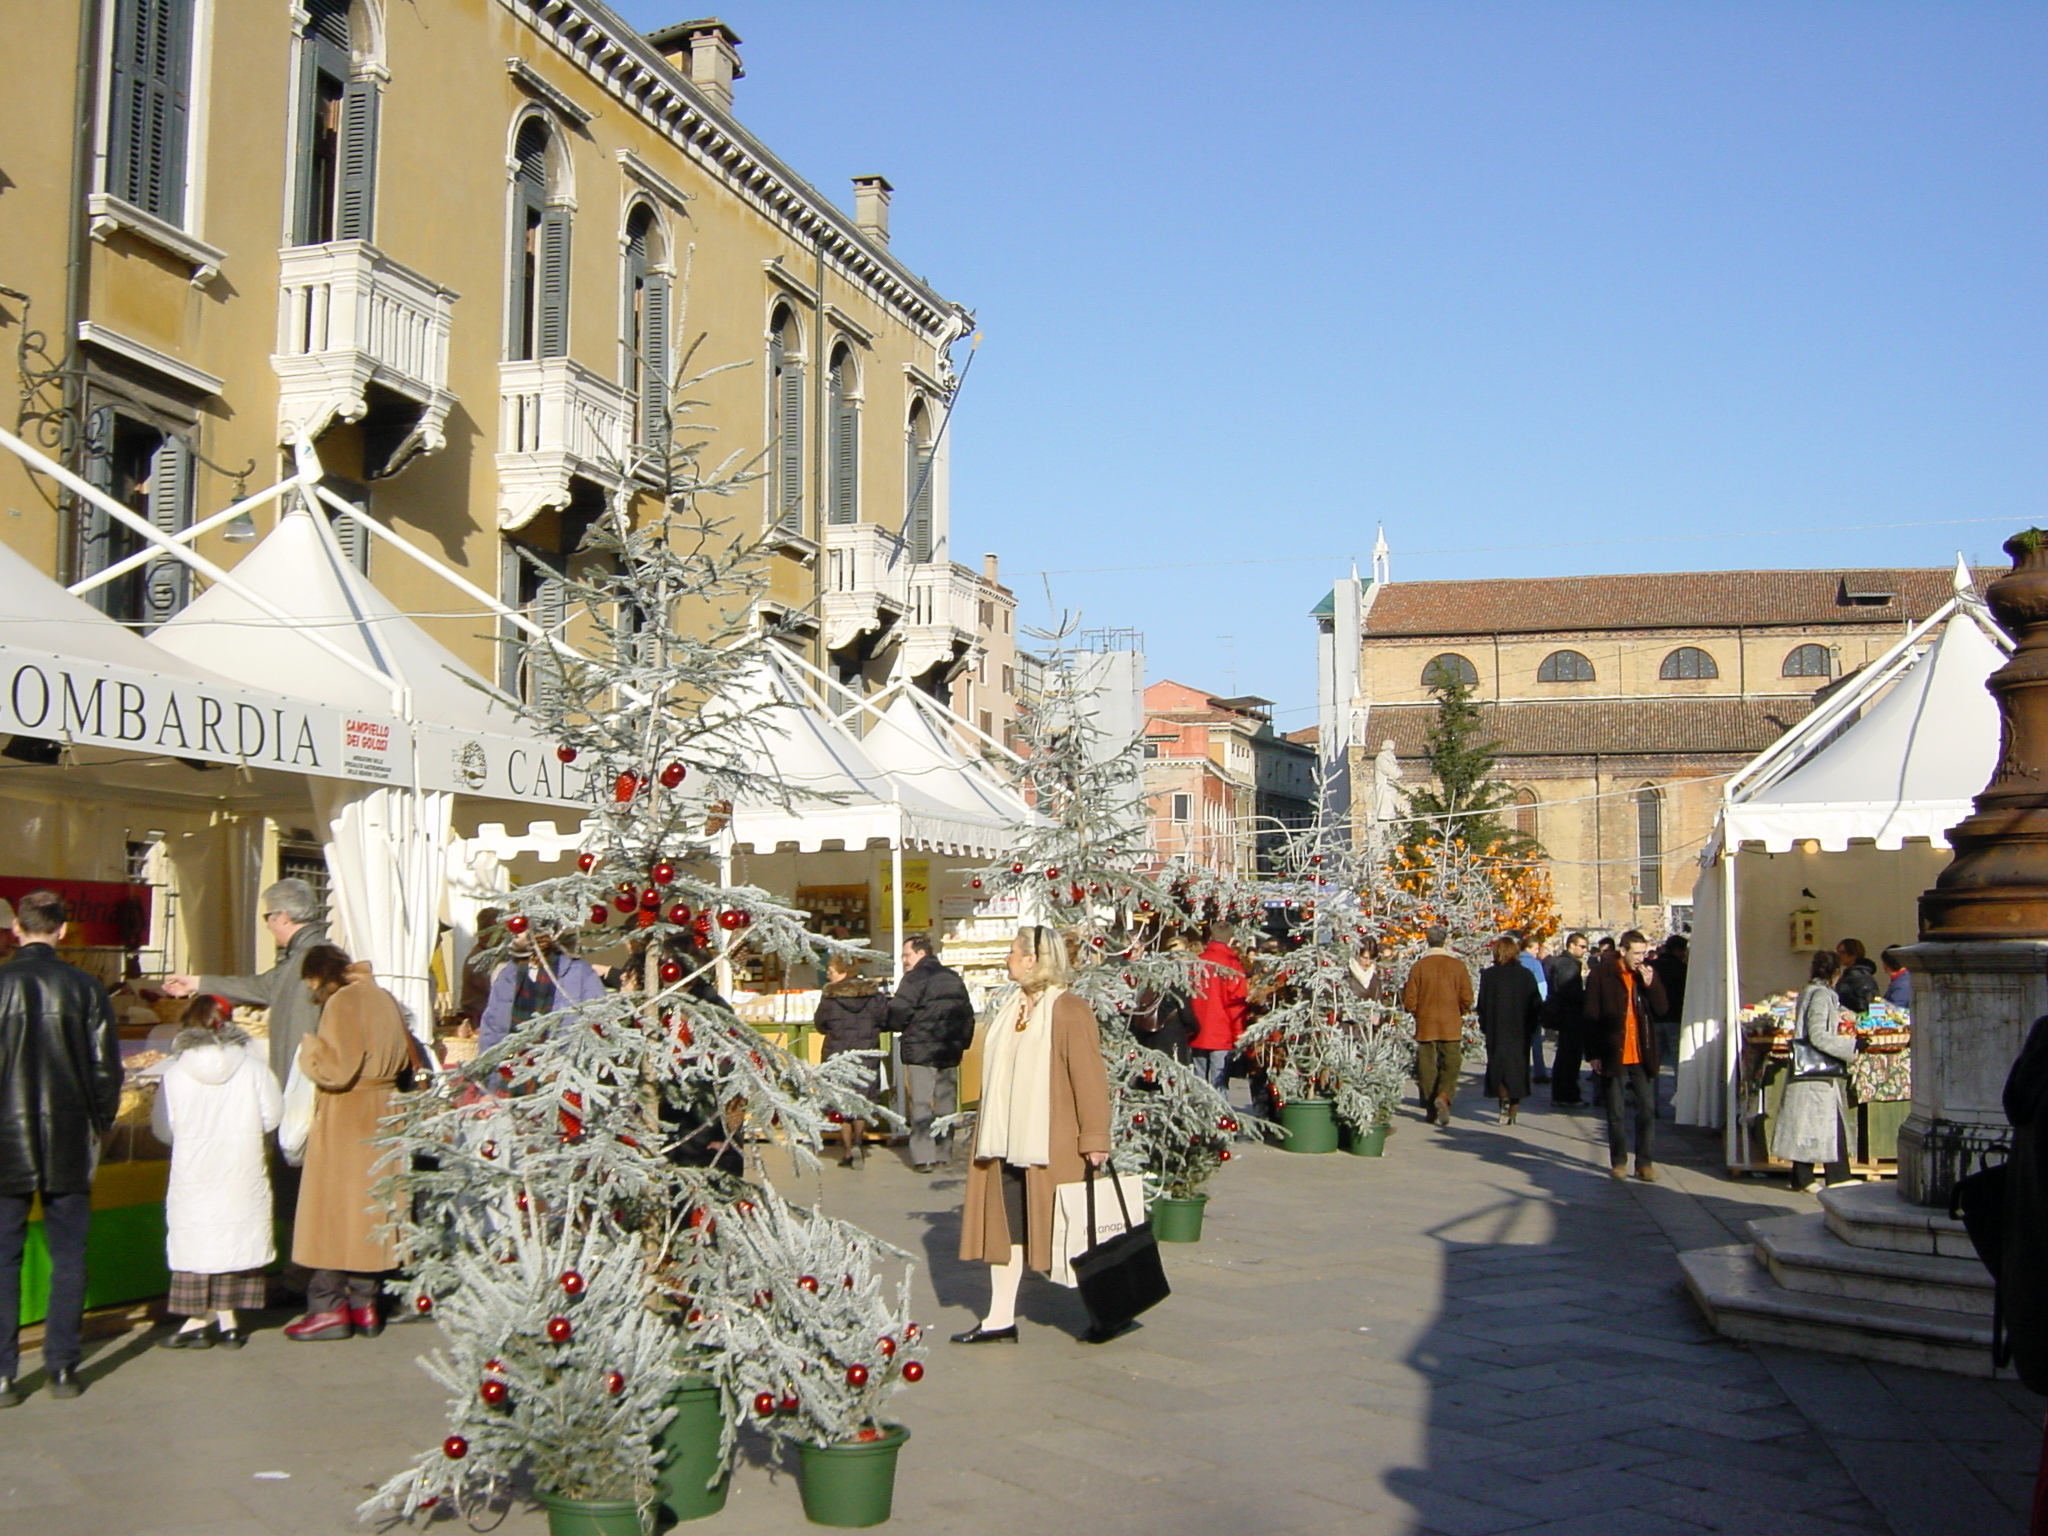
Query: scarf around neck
{"points": [[1016, 1096]]}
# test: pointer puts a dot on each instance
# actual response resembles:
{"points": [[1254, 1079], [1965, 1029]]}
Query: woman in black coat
{"points": [[1508, 1010], [851, 1016]]}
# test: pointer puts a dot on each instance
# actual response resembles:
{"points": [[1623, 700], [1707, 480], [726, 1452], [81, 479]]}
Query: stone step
{"points": [[1742, 1301], [1802, 1254], [1873, 1216]]}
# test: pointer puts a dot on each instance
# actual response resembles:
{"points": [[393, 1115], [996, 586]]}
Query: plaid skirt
{"points": [[241, 1290]]}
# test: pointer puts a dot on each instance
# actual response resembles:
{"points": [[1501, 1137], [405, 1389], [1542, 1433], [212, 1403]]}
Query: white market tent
{"points": [[1847, 816], [421, 728]]}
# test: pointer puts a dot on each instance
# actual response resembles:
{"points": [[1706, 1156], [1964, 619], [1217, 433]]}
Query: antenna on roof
{"points": [[1382, 569]]}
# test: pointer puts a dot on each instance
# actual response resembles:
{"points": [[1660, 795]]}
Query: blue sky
{"points": [[1547, 288]]}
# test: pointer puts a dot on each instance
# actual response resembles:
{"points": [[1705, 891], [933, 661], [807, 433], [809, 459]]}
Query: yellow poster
{"points": [[917, 896]]}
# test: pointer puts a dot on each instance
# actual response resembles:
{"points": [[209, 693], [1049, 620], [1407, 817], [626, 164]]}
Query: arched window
{"points": [[1524, 805], [917, 480], [539, 321], [1808, 661], [842, 459], [647, 326], [786, 425], [336, 136], [1649, 847], [1450, 667], [1687, 664], [1565, 667]]}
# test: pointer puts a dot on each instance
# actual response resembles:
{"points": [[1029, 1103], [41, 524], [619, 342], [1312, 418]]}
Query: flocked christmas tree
{"points": [[572, 1211], [1085, 867]]}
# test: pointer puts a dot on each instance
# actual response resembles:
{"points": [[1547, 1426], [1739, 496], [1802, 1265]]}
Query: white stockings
{"points": [[1003, 1280]]}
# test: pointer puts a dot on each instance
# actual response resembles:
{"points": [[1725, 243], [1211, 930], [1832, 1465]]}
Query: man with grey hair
{"points": [[933, 1018], [292, 914]]}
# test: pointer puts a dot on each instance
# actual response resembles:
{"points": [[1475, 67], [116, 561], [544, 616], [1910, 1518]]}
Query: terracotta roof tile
{"points": [[1671, 600], [1633, 727]]}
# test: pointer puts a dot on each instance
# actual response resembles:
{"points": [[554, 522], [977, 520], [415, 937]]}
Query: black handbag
{"points": [[1123, 1276]]}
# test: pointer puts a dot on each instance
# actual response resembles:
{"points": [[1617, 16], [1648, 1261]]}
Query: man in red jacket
{"points": [[1218, 1006]]}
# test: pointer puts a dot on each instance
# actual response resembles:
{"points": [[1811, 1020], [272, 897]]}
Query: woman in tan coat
{"points": [[353, 1059], [1044, 1113]]}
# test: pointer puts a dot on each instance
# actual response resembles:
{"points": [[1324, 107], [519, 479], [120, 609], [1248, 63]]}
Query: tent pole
{"points": [[1731, 1006]]}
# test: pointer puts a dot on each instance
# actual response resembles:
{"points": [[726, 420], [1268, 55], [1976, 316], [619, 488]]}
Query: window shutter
{"points": [[791, 454], [167, 581], [551, 613], [653, 361], [553, 330], [95, 528], [845, 459], [356, 199], [920, 473], [152, 52]]}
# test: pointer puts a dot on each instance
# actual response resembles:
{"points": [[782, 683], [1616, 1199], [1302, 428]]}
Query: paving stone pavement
{"points": [[1479, 1333]]}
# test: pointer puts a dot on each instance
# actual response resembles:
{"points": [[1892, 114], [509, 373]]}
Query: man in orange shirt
{"points": [[1438, 994], [1623, 998]]}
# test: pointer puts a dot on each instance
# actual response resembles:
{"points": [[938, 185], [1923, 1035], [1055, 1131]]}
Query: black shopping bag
{"points": [[1121, 1277]]}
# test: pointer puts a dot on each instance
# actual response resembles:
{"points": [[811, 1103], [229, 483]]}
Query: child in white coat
{"points": [[217, 1101]]}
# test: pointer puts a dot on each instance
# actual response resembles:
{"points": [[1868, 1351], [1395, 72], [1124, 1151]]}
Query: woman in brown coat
{"points": [[1044, 1114], [353, 1059]]}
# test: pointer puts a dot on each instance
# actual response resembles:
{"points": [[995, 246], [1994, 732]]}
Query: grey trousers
{"points": [[931, 1092]]}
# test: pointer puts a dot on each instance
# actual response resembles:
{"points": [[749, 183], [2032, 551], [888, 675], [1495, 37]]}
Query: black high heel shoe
{"points": [[980, 1335], [189, 1338]]}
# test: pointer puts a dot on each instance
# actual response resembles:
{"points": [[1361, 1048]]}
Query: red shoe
{"points": [[317, 1327], [368, 1321]]}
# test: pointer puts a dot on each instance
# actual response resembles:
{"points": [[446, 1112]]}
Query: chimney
{"points": [[988, 570], [871, 207], [707, 52]]}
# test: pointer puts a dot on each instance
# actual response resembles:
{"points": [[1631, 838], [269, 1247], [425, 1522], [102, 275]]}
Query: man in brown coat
{"points": [[1438, 993]]}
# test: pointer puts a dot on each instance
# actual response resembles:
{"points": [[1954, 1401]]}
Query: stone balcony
{"points": [[942, 625], [351, 319], [558, 421], [866, 585]]}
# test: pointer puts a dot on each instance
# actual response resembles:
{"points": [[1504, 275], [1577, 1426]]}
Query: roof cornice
{"points": [[600, 43]]}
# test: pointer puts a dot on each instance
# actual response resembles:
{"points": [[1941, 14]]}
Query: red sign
{"points": [[105, 914]]}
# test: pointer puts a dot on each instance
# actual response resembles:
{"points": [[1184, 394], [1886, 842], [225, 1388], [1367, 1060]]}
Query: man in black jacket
{"points": [[1567, 1007], [60, 1088], [933, 1020]]}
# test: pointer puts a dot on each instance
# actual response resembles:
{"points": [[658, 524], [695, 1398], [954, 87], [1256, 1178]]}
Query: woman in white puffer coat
{"points": [[216, 1102]]}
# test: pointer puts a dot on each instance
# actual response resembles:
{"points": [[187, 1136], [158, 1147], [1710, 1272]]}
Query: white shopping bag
{"points": [[295, 1125], [1070, 1237]]}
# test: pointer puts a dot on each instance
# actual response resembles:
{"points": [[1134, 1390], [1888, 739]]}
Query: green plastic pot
{"points": [[1178, 1218], [1311, 1125], [689, 1453], [591, 1517], [1370, 1142], [852, 1483]]}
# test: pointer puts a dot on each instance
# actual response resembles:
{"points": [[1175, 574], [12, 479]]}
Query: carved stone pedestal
{"points": [[1973, 1003]]}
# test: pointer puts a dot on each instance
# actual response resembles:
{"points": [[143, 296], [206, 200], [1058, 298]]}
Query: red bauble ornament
{"points": [[650, 900], [1226, 1124], [572, 1282], [624, 786], [763, 1298], [680, 914], [696, 1317], [598, 914], [732, 919], [673, 775], [807, 1283], [614, 1382], [523, 1201], [887, 1346], [1225, 1154], [788, 1404], [1016, 869], [586, 862], [493, 1393], [1053, 873], [560, 1331], [977, 883], [489, 1151], [912, 1332], [518, 922], [1138, 1119], [745, 1207], [868, 1434], [566, 754], [671, 972], [764, 1403], [847, 1282], [912, 1371], [423, 1305], [1099, 942], [623, 901], [856, 1375], [663, 872], [1144, 906], [455, 1447], [495, 1367]]}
